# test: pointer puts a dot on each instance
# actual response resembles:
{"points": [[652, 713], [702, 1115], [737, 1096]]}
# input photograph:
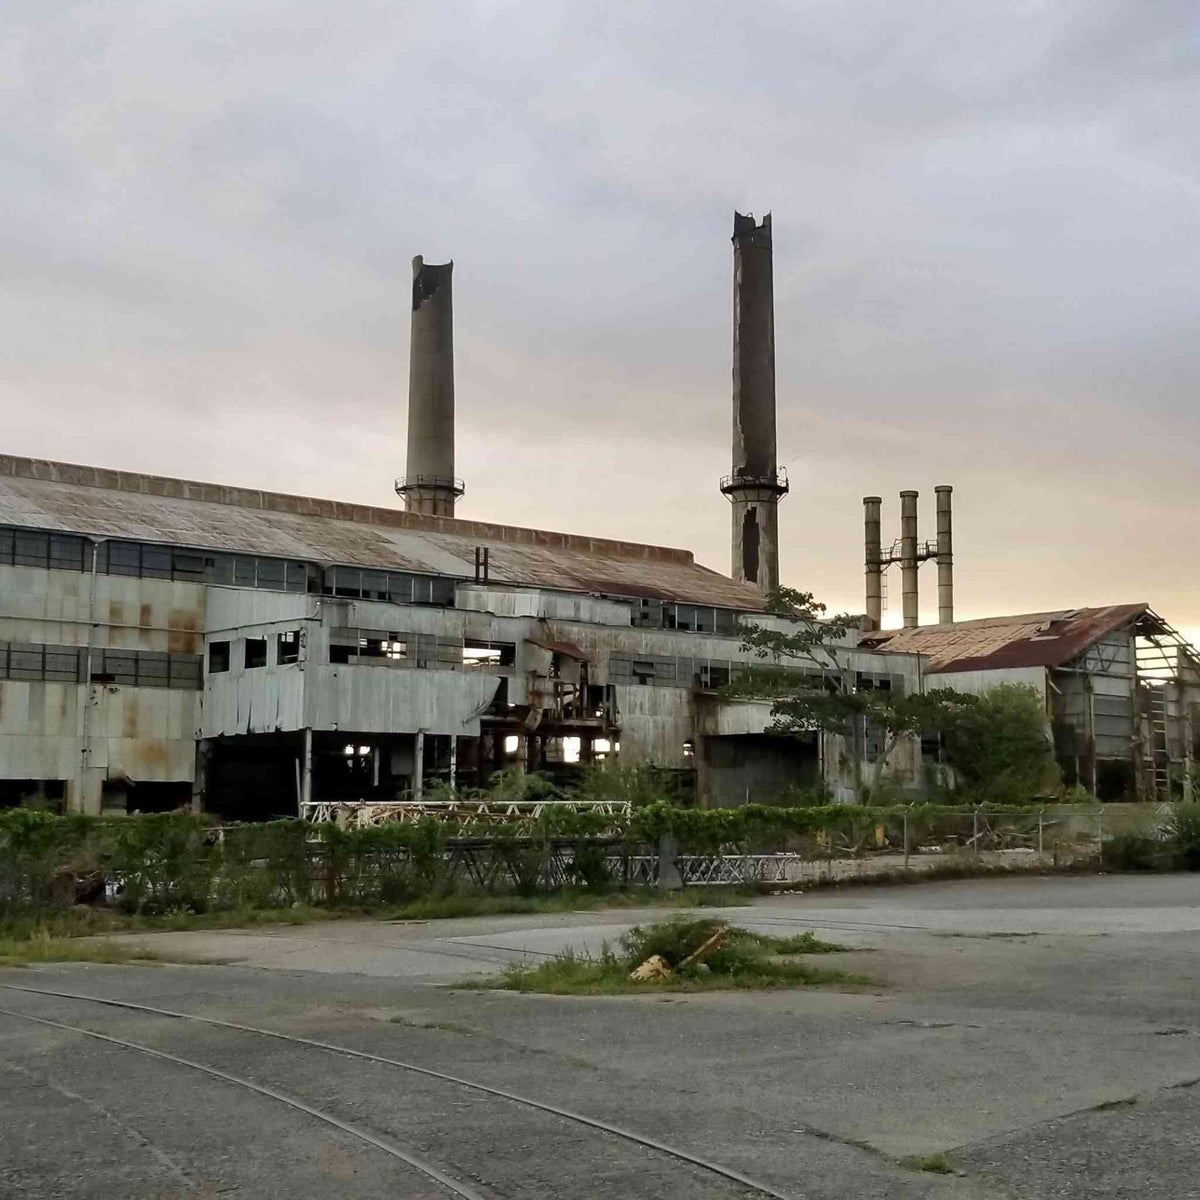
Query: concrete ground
{"points": [[1044, 1033]]}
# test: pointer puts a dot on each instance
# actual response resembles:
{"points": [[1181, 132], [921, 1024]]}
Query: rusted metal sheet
{"points": [[1046, 639], [48, 495]]}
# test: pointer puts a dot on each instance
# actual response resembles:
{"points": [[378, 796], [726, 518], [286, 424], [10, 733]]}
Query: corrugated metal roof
{"points": [[1046, 639], [40, 494]]}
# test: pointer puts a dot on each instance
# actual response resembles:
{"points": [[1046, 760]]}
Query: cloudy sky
{"points": [[987, 230]]}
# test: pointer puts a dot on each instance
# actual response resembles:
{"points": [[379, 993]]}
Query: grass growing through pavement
{"points": [[87, 921], [44, 947], [745, 960]]}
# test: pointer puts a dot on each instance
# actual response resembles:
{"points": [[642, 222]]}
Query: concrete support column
{"points": [[873, 553], [375, 755], [945, 555], [200, 782], [520, 762], [908, 557], [306, 769], [418, 788]]}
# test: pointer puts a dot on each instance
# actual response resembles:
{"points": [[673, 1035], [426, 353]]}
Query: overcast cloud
{"points": [[987, 225]]}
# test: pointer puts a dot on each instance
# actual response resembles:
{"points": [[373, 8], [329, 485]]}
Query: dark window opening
{"points": [[750, 545], [288, 649], [218, 657], [256, 653]]}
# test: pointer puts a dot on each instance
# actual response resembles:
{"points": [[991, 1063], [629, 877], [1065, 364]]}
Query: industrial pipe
{"points": [[908, 557], [874, 568], [945, 556]]}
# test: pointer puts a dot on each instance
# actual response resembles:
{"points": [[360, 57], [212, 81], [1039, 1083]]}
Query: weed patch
{"points": [[45, 948], [743, 960]]}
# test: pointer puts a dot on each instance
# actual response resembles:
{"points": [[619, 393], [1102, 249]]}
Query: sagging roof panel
{"points": [[41, 494], [1047, 639]]}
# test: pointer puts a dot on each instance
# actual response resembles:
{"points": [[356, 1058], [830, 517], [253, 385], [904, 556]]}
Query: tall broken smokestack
{"points": [[429, 485], [908, 558], [945, 556], [874, 565], [756, 484]]}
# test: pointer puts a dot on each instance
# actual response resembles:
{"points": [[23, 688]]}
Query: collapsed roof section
{"points": [[1046, 639], [41, 494]]}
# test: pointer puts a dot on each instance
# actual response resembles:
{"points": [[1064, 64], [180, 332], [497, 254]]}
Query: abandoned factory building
{"points": [[162, 639]]}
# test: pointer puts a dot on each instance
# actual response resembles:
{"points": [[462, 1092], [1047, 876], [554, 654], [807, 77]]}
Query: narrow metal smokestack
{"points": [[429, 485], [908, 557], [871, 507], [945, 555], [756, 484]]}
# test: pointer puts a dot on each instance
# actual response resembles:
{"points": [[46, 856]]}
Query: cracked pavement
{"points": [[1042, 1033]]}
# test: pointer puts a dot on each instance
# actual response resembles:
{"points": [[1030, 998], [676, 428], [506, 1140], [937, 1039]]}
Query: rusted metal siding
{"points": [[1046, 639]]}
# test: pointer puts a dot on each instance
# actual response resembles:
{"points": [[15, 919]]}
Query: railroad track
{"points": [[419, 1162]]}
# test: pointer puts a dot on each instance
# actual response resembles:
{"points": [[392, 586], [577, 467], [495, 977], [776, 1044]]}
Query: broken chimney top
{"points": [[427, 278]]}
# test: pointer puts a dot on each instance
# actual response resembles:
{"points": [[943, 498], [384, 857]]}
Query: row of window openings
{"points": [[421, 650], [473, 654], [710, 674], [648, 613], [127, 668], [254, 652], [144, 560], [31, 548]]}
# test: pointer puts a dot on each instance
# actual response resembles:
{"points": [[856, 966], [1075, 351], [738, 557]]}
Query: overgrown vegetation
{"points": [[996, 743], [42, 946], [742, 960]]}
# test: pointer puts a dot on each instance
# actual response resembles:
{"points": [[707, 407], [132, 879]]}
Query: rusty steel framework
{"points": [[1168, 713], [462, 814]]}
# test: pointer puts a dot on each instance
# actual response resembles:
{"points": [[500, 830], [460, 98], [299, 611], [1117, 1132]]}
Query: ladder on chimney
{"points": [[883, 591]]}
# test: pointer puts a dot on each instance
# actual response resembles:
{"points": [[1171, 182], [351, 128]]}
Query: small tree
{"points": [[816, 697], [996, 743]]}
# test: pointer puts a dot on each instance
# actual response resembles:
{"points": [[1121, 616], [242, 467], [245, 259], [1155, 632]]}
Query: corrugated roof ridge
{"points": [[81, 475]]}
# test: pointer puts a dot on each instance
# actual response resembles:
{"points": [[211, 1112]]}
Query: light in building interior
{"points": [[364, 750], [571, 747], [347, 750], [689, 749], [510, 743], [602, 745]]}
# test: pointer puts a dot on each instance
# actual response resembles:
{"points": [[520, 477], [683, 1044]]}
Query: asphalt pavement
{"points": [[1041, 1033]]}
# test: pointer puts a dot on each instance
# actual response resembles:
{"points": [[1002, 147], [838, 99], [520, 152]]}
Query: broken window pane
{"points": [[288, 650]]}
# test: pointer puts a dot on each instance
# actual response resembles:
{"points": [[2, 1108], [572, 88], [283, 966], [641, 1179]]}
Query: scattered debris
{"points": [[655, 967]]}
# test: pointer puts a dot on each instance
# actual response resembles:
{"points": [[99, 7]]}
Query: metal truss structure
{"points": [[463, 814]]}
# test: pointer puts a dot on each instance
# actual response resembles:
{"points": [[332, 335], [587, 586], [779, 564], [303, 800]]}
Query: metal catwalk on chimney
{"points": [[429, 485], [756, 484]]}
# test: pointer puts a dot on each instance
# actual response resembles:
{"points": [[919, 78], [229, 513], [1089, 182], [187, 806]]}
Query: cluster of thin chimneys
{"points": [[909, 553]]}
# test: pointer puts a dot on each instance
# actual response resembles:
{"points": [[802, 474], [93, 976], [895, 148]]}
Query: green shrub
{"points": [[1183, 830]]}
